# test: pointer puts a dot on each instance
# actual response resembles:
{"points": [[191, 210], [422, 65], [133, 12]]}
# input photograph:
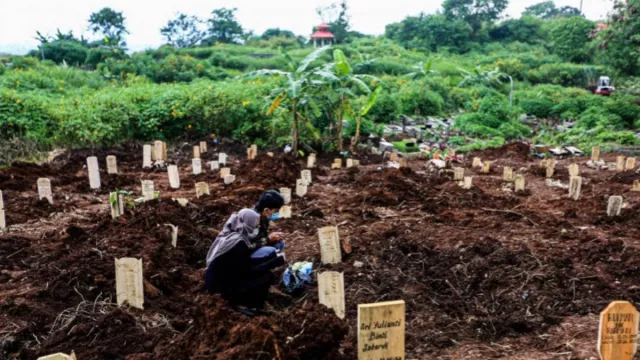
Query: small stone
{"points": [[358, 264]]}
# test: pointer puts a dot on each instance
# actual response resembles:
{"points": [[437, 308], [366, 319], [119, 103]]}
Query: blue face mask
{"points": [[275, 216]]}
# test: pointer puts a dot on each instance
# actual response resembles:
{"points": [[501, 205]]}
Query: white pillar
{"points": [[315, 43]]}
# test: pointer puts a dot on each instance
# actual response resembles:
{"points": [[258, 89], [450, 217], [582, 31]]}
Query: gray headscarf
{"points": [[238, 228]]}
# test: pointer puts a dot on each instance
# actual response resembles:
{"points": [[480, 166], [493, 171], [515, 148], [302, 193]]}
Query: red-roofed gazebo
{"points": [[322, 35]]}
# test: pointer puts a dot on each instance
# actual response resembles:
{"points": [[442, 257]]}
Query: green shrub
{"points": [[540, 107], [385, 109], [565, 74], [414, 98]]}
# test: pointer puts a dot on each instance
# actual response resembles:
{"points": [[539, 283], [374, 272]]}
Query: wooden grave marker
{"points": [[477, 162], [203, 147], [202, 188], [636, 186], [520, 183], [330, 251], [595, 154], [618, 331], [467, 182], [254, 148], [59, 356], [285, 192], [393, 157], [337, 164], [129, 282], [94, 172], [381, 328], [174, 235], [349, 163], [544, 164], [222, 159], [196, 166], [458, 174], [306, 176], [174, 176], [614, 207], [486, 167], [270, 154], [285, 212], [331, 291], [159, 151], [356, 162], [575, 187], [631, 164], [311, 161], [112, 165], [403, 163], [117, 204], [44, 190], [215, 165], [196, 152], [551, 168], [301, 188], [146, 157], [507, 174], [225, 171], [148, 190], [229, 179], [3, 219], [574, 170], [620, 163]]}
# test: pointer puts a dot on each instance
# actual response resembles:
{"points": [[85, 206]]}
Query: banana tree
{"points": [[422, 69], [491, 78], [299, 90], [362, 112], [342, 79]]}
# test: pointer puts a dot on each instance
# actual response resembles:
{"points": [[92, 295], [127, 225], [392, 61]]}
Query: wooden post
{"points": [[636, 186], [301, 188], [507, 174], [331, 291], [148, 190], [618, 331], [337, 164], [544, 164], [615, 206], [574, 170], [394, 157], [620, 163], [146, 157], [330, 245], [486, 167], [44, 190], [196, 152], [467, 182], [476, 162], [631, 164], [286, 194], [595, 154], [174, 176], [311, 161], [551, 168], [458, 174], [116, 203], [520, 183], [349, 163], [575, 186], [3, 220], [196, 165], [403, 163], [94, 172], [224, 172], [159, 151], [381, 328], [203, 147], [129, 282], [112, 165], [306, 176]]}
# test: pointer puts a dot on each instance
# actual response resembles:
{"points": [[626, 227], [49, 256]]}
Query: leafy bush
{"points": [[565, 74], [540, 107], [414, 98], [386, 109]]}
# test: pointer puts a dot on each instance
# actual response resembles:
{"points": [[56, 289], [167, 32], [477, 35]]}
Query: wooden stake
{"points": [[331, 291], [458, 174], [620, 163], [618, 331], [203, 147], [349, 163], [202, 188], [403, 163], [285, 212], [301, 188], [311, 161], [112, 165], [337, 164], [174, 176], [574, 170], [394, 157], [44, 190], [507, 174], [146, 157], [636, 186], [196, 152], [551, 168], [476, 162], [486, 167], [159, 151], [148, 190], [117, 205], [129, 282], [381, 328], [615, 206], [467, 182], [595, 154], [224, 172], [306, 176], [520, 183], [286, 194], [94, 172], [575, 186], [631, 164], [196, 166], [330, 245]]}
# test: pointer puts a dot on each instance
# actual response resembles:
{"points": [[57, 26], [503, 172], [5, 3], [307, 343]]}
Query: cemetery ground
{"points": [[485, 273]]}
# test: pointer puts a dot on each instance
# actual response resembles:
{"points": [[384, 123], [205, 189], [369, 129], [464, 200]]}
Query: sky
{"points": [[19, 19]]}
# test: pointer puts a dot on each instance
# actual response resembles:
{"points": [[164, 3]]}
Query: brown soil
{"points": [[485, 273]]}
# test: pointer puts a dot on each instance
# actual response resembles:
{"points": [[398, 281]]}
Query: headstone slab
{"points": [[574, 170], [117, 204], [620, 161], [148, 190], [331, 291], [3, 220], [520, 183], [618, 331], [330, 245], [1, 200], [381, 331], [129, 282], [477, 162], [286, 194], [507, 174], [467, 182], [595, 154], [215, 165], [225, 171], [631, 164], [551, 168], [44, 190], [112, 165], [146, 157], [229, 179], [159, 151], [306, 176], [575, 187], [337, 164], [301, 188], [203, 147], [202, 188], [196, 166], [614, 207], [58, 356], [94, 172], [356, 162], [285, 212], [222, 159], [349, 163], [196, 152], [458, 174], [174, 176], [311, 161]]}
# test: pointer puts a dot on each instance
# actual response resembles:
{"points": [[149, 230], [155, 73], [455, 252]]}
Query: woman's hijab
{"points": [[239, 227]]}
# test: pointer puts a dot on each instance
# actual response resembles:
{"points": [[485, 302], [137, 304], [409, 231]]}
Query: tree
{"points": [[224, 27], [543, 10], [571, 39], [619, 43], [569, 11], [109, 23], [183, 31], [299, 91], [474, 12], [431, 33], [527, 29], [422, 70], [477, 76], [337, 17], [276, 32]]}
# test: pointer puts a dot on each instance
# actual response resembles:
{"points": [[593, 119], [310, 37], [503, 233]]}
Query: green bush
{"points": [[565, 74], [540, 107], [414, 98], [385, 110]]}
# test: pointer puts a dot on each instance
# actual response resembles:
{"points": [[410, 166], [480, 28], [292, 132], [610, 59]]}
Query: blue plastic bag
{"points": [[297, 275]]}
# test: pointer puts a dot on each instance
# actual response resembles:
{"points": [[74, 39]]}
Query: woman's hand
{"points": [[276, 236]]}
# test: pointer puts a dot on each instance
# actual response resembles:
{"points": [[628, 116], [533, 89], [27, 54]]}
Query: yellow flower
{"points": [[189, 127], [245, 103], [212, 135], [18, 101], [60, 88], [173, 113]]}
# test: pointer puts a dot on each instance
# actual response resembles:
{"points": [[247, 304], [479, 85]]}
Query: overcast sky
{"points": [[19, 19]]}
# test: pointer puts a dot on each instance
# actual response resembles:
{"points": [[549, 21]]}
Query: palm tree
{"points": [[299, 91]]}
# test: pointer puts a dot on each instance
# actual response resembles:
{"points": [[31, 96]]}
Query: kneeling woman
{"points": [[230, 269]]}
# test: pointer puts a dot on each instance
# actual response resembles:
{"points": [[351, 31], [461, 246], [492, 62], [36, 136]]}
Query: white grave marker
{"points": [[349, 163], [286, 194], [59, 356], [174, 235], [203, 146], [301, 188], [631, 163], [44, 190], [148, 190], [618, 331], [620, 163], [112, 165], [159, 151], [3, 221], [331, 291], [229, 179], [520, 183], [222, 159], [507, 174], [574, 170], [306, 176], [146, 157], [117, 204], [467, 182], [615, 206], [330, 245], [202, 188], [225, 171], [458, 174], [196, 152], [337, 164], [129, 282], [551, 168], [311, 161], [174, 176], [196, 165], [381, 328], [575, 186], [94, 172], [215, 165], [285, 212]]}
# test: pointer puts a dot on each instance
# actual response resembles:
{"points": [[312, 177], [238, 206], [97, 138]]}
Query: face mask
{"points": [[274, 217], [254, 234]]}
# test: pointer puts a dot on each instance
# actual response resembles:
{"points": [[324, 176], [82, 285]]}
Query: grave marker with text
{"points": [[94, 172], [331, 291], [618, 331], [112, 165], [44, 190], [381, 331], [330, 245]]}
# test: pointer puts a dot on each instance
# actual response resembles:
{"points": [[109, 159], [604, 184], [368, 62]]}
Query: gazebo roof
{"points": [[322, 32]]}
